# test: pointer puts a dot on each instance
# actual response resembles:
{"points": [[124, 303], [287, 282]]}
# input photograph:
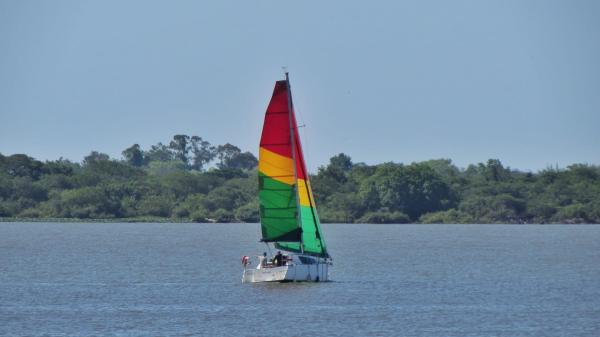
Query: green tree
{"points": [[414, 190], [158, 152], [203, 153], [20, 165], [182, 183], [95, 157], [157, 205], [181, 147], [231, 157], [248, 212], [134, 155], [383, 217], [338, 168], [242, 161], [225, 153], [160, 168], [332, 178]]}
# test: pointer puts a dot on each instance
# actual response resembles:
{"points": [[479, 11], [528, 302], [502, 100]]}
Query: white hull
{"points": [[316, 272]]}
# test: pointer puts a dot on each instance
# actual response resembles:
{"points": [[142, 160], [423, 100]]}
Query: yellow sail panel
{"points": [[276, 166], [304, 189]]}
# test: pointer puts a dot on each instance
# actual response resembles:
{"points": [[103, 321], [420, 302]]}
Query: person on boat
{"points": [[264, 260], [279, 259]]}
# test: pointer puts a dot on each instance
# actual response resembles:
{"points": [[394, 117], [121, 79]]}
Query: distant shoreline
{"points": [[159, 220], [119, 220]]}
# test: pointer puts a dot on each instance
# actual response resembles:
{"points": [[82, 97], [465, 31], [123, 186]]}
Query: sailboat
{"points": [[288, 216]]}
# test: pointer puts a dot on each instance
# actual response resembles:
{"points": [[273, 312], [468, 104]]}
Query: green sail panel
{"points": [[311, 232], [312, 238], [278, 213]]}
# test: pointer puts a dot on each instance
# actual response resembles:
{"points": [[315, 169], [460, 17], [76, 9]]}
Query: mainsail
{"points": [[287, 209]]}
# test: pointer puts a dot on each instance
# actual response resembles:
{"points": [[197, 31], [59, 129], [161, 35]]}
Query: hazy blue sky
{"points": [[379, 80]]}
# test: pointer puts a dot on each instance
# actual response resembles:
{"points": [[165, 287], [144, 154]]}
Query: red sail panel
{"points": [[276, 128]]}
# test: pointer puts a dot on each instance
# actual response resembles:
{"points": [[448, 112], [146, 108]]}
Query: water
{"points": [[73, 279]]}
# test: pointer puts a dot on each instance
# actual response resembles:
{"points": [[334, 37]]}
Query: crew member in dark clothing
{"points": [[279, 259]]}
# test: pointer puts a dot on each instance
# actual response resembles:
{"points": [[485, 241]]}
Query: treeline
{"points": [[190, 179], [187, 179], [436, 191]]}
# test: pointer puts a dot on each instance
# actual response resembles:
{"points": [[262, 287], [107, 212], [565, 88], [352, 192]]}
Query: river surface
{"points": [[111, 279]]}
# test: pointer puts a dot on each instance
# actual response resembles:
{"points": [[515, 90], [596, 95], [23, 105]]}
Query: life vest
{"points": [[245, 260]]}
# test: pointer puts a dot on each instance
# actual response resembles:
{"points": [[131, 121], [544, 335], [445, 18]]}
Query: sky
{"points": [[381, 81]]}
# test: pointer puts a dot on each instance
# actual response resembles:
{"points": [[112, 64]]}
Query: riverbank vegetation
{"points": [[191, 180]]}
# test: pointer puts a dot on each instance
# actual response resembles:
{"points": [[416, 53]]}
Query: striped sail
{"points": [[287, 208]]}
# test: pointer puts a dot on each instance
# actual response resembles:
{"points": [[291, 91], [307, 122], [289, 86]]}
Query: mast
{"points": [[293, 141]]}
